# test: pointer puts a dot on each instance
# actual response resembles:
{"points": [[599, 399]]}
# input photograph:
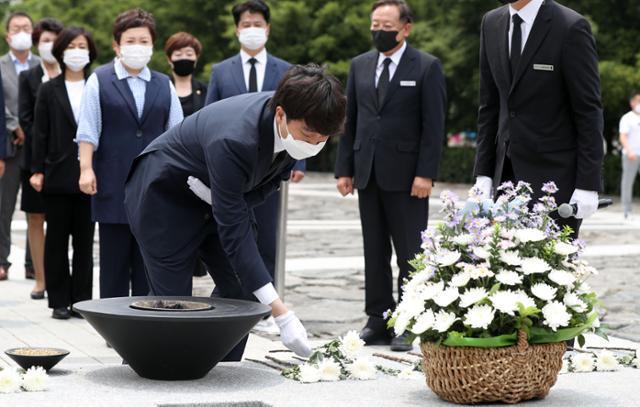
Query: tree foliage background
{"points": [[333, 32]]}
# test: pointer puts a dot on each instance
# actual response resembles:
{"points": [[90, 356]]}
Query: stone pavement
{"points": [[325, 286]]}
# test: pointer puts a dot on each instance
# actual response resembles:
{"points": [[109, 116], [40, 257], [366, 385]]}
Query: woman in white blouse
{"points": [[56, 170]]}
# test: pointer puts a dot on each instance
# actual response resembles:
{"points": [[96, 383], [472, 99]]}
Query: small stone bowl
{"points": [[28, 357]]}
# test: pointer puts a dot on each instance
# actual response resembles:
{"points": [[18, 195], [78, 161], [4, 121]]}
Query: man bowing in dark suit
{"points": [[241, 148], [390, 152], [540, 116]]}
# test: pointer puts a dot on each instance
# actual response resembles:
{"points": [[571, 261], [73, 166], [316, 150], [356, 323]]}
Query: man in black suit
{"points": [[540, 116], [390, 152]]}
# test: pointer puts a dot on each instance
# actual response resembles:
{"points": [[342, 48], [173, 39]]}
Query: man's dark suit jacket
{"points": [[229, 146], [550, 113], [402, 138]]}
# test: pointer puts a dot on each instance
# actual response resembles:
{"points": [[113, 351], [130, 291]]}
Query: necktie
{"points": [[383, 82], [253, 76], [516, 44]]}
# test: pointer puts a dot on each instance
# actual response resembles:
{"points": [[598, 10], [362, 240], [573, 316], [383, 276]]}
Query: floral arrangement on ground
{"points": [[13, 380]]}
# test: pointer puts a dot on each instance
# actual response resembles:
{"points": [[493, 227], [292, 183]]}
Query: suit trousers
{"points": [[121, 264], [68, 215], [386, 217], [9, 187], [266, 216], [630, 169]]}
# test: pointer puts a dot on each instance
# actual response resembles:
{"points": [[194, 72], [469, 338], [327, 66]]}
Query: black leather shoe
{"points": [[37, 295], [401, 343], [61, 313], [375, 332]]}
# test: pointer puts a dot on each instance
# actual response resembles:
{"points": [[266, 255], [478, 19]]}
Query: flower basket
{"points": [[469, 375]]}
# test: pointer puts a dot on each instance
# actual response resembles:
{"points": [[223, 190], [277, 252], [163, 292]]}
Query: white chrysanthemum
{"points": [[479, 271], [479, 316], [574, 302], [460, 279], [636, 362], [583, 288], [329, 370], [10, 381], [424, 322], [410, 374], [505, 302], [582, 362], [529, 235], [447, 296], [606, 362], [411, 305], [446, 258], [351, 345], [544, 291], [525, 300], [444, 320], [565, 249], [555, 315], [35, 379], [402, 321], [482, 253], [471, 296], [565, 366], [510, 258], [509, 277], [309, 374], [534, 265], [462, 240], [431, 290], [562, 277], [362, 369]]}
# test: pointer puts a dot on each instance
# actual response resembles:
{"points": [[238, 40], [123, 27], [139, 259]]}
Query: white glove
{"points": [[587, 202], [292, 334], [201, 190], [484, 185]]}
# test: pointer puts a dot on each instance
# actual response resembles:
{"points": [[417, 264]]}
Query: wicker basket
{"points": [[475, 375]]}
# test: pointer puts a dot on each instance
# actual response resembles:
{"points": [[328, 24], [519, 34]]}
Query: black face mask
{"points": [[384, 40], [184, 67]]}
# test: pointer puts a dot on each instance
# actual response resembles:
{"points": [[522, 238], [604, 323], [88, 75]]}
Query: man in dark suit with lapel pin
{"points": [[253, 69], [390, 152], [540, 116], [241, 148]]}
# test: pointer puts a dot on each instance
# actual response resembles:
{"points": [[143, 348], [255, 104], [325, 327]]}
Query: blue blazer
{"points": [[227, 80]]}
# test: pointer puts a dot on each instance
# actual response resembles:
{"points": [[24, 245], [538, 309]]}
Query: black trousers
{"points": [[388, 216], [266, 224], [121, 265], [68, 215]]}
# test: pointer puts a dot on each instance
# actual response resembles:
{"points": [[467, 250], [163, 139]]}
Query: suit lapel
{"points": [[125, 92], [150, 95], [62, 96], [503, 46], [238, 74], [539, 31], [370, 74], [404, 68], [270, 74]]}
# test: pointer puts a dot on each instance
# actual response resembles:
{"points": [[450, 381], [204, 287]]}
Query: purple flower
{"points": [[549, 187]]}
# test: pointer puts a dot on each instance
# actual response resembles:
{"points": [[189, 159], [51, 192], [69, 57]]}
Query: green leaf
{"points": [[581, 340]]}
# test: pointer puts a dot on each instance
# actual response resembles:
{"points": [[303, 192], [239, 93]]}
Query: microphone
{"points": [[568, 210]]}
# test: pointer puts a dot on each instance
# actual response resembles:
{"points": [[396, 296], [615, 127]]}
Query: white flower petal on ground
{"points": [[582, 362], [529, 235], [606, 362], [424, 322], [447, 258], [574, 302], [565, 249], [471, 296], [482, 253], [447, 297], [555, 315], [510, 258], [35, 379], [10, 380], [534, 265], [351, 345], [444, 320], [410, 374], [479, 316], [362, 369], [562, 277], [509, 277], [309, 374], [636, 362], [544, 291], [460, 279], [329, 370], [505, 302], [462, 240]]}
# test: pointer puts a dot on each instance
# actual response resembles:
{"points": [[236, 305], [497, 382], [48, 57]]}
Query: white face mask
{"points": [[637, 108], [76, 59], [136, 56], [299, 149], [21, 41], [44, 49], [253, 38]]}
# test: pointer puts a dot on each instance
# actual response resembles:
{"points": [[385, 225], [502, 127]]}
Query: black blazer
{"points": [[198, 96], [55, 152], [403, 137], [28, 84], [549, 115]]}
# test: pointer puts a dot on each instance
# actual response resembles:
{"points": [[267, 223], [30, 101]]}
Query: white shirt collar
{"points": [[395, 57], [528, 13], [122, 73], [261, 57], [17, 61], [277, 142]]}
